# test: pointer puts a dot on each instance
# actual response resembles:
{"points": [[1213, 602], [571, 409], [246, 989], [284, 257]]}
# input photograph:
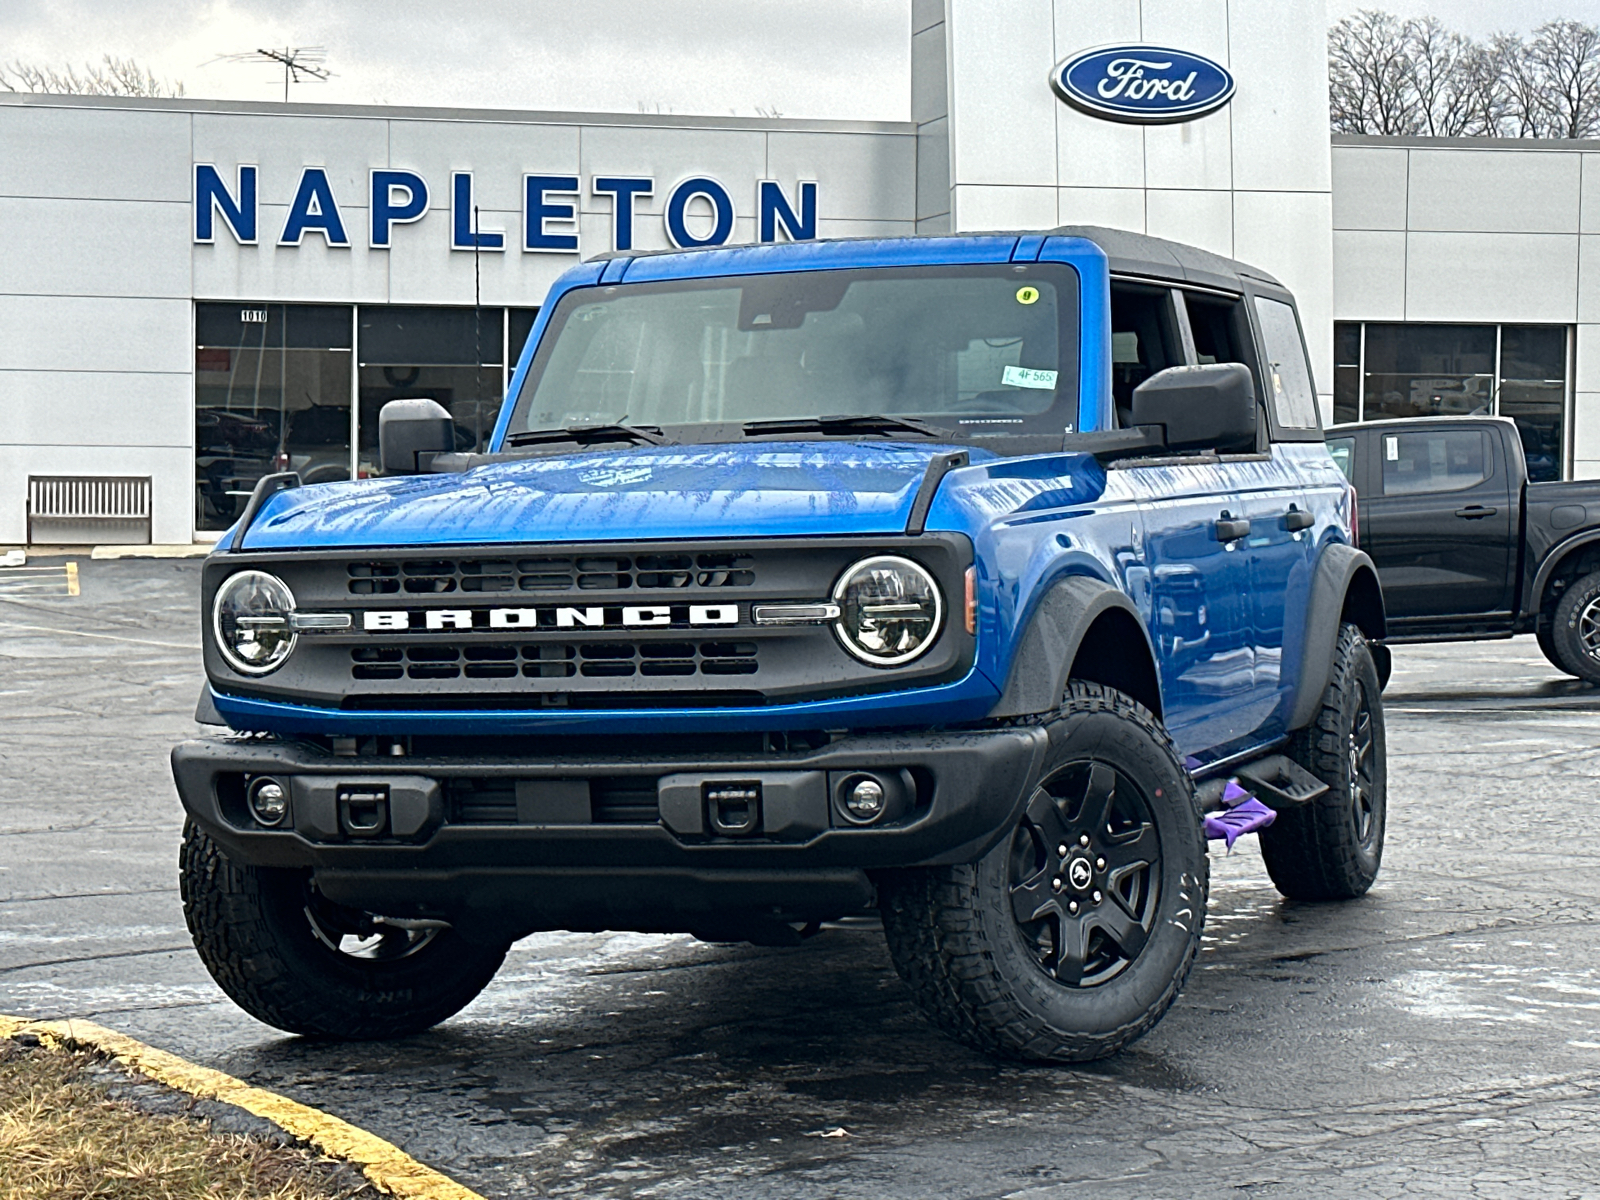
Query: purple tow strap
{"points": [[1245, 815]]}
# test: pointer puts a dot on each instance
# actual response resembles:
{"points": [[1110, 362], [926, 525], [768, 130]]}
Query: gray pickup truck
{"points": [[1466, 547]]}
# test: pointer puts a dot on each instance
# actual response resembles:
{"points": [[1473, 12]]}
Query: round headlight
{"points": [[251, 620], [890, 610]]}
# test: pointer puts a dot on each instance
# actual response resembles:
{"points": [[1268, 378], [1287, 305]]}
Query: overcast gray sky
{"points": [[799, 58], [804, 58], [1480, 18]]}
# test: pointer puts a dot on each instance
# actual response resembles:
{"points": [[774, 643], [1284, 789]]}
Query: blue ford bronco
{"points": [[967, 579]]}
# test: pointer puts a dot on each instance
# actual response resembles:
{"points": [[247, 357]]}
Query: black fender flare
{"points": [[1037, 679], [1344, 586], [1552, 558]]}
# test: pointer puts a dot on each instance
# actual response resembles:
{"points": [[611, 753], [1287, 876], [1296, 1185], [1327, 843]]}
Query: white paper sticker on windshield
{"points": [[1025, 377], [1391, 448]]}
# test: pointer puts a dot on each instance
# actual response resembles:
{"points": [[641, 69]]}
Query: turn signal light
{"points": [[972, 599]]}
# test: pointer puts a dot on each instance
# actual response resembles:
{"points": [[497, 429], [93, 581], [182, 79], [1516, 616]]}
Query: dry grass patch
{"points": [[62, 1138]]}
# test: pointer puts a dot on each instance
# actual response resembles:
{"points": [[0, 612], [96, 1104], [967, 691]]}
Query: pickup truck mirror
{"points": [[1209, 407], [408, 430]]}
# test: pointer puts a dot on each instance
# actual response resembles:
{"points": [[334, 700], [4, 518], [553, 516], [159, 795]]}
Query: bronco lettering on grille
{"points": [[596, 616]]}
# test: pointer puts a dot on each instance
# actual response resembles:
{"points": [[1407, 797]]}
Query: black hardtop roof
{"points": [[1129, 253]]}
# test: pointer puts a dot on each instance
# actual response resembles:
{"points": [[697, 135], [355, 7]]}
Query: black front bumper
{"points": [[613, 842]]}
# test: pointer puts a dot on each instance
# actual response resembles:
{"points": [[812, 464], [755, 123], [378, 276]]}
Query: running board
{"points": [[1280, 782]]}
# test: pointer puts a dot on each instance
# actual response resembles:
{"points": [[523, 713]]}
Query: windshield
{"points": [[973, 349]]}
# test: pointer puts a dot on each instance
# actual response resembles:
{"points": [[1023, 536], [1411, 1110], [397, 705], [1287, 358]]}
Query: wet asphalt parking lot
{"points": [[1439, 1037]]}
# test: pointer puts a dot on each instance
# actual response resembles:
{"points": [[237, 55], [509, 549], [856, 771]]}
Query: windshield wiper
{"points": [[583, 435], [847, 425]]}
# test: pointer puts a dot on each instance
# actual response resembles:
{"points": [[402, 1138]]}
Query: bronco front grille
{"points": [[675, 571], [591, 660]]}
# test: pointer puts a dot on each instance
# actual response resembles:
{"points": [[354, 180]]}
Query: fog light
{"points": [[269, 801], [864, 800]]}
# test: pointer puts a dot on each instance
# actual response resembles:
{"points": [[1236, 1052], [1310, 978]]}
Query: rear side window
{"points": [[1343, 451], [1438, 460], [1294, 402], [1144, 340]]}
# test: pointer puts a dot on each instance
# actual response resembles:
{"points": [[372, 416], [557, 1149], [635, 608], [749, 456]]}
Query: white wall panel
{"points": [[424, 270], [1586, 378], [860, 177], [1095, 153], [1203, 219], [981, 208], [171, 472], [282, 146], [1279, 55], [1589, 201], [933, 169], [1493, 191], [1194, 154], [1005, 131], [858, 229], [94, 153], [1491, 277], [497, 154], [1589, 280], [73, 333], [1288, 234], [1369, 187], [97, 408], [94, 247], [1369, 275], [1586, 426], [312, 271], [1116, 208], [929, 94], [735, 158]]}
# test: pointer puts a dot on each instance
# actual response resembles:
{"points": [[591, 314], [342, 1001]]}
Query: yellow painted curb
{"points": [[389, 1168]]}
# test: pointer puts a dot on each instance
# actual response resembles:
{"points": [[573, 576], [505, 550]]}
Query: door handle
{"points": [[1230, 528], [1294, 520], [1474, 511]]}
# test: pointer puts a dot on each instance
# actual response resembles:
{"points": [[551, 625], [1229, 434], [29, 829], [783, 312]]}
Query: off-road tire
{"points": [[1567, 650], [1545, 635], [251, 929], [955, 940], [1331, 848]]}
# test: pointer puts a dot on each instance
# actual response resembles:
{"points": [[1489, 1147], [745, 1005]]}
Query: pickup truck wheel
{"points": [[1074, 935], [290, 958], [1331, 848], [1575, 630]]}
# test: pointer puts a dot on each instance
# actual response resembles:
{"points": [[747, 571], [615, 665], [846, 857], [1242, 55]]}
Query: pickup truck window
{"points": [[1144, 340], [1293, 399], [1438, 460], [978, 349], [1343, 453]]}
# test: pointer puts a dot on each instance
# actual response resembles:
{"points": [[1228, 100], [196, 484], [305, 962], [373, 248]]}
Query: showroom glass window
{"points": [[272, 393], [1387, 370], [455, 356]]}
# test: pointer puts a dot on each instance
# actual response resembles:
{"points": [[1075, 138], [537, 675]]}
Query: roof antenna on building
{"points": [[299, 63]]}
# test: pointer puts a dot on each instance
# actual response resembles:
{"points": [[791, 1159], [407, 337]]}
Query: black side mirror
{"points": [[1209, 407], [410, 432]]}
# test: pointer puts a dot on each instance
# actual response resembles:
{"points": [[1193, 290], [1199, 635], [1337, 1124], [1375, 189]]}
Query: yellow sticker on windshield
{"points": [[1027, 295]]}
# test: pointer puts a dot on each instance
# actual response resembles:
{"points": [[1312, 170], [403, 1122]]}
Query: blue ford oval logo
{"points": [[1146, 85]]}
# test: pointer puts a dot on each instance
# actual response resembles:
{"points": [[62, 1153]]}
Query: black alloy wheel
{"points": [[1086, 873], [1074, 934], [1331, 848], [1575, 630]]}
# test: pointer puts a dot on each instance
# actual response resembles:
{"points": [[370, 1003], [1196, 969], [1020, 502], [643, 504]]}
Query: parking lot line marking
{"points": [[109, 637], [390, 1169], [72, 579]]}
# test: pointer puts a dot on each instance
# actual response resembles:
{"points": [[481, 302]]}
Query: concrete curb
{"points": [[389, 1168]]}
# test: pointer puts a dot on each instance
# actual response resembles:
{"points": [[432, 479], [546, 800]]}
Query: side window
{"points": [[1343, 451], [1437, 460], [1218, 327], [1294, 401], [1144, 340]]}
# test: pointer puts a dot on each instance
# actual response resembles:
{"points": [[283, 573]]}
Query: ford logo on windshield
{"points": [[1145, 85]]}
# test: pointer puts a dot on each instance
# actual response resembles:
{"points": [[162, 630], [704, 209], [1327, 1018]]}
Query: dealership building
{"points": [[195, 293]]}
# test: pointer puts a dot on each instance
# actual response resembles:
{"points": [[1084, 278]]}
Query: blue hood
{"points": [[751, 489]]}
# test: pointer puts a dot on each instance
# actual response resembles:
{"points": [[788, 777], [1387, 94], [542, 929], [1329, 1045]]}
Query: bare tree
{"points": [[1438, 76], [112, 77], [1523, 87], [1566, 57], [1369, 75], [1485, 101]]}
